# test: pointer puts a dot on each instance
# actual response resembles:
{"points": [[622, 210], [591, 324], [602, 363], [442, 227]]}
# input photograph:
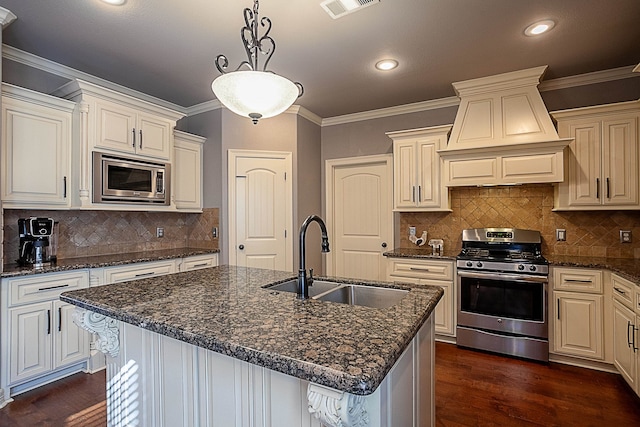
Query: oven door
{"points": [[503, 302]]}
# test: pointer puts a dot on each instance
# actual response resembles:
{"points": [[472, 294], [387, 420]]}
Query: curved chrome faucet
{"points": [[303, 280]]}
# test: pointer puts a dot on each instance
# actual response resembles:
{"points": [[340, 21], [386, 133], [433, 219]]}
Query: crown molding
{"points": [[6, 17], [306, 114], [587, 79], [203, 107], [12, 54], [415, 107]]}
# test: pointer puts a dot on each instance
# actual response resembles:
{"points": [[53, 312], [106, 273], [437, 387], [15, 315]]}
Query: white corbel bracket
{"points": [[106, 328], [337, 408]]}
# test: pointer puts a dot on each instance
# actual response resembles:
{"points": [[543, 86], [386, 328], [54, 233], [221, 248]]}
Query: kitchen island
{"points": [[215, 347]]}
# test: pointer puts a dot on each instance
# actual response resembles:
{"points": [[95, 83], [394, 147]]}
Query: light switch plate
{"points": [[561, 234], [625, 236]]}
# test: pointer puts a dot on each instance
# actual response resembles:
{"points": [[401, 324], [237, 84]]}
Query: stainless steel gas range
{"points": [[502, 292]]}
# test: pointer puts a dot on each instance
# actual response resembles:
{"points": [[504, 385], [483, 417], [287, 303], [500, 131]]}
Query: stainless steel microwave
{"points": [[123, 180]]}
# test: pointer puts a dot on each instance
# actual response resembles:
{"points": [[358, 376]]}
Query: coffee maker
{"points": [[35, 241]]}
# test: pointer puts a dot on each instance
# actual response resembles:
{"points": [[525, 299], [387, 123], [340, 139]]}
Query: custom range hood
{"points": [[502, 133]]}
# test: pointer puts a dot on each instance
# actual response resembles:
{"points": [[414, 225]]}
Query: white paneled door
{"points": [[359, 212], [261, 197]]}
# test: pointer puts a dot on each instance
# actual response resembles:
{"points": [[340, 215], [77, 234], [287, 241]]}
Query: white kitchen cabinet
{"points": [[417, 169], [602, 161], [39, 340], [143, 270], [625, 330], [36, 149], [187, 171], [577, 313], [197, 262], [430, 272], [132, 131]]}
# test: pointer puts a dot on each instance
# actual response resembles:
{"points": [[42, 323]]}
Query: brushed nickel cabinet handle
{"points": [[141, 138], [620, 291], [134, 138]]}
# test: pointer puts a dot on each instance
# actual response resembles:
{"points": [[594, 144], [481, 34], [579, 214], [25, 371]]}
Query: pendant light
{"points": [[253, 93]]}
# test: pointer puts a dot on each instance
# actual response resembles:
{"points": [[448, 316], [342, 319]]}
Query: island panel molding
{"points": [[106, 328]]}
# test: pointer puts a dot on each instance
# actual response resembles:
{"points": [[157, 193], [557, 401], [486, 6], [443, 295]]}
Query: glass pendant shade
{"points": [[255, 94]]}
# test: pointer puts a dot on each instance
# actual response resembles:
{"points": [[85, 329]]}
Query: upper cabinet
{"points": [[602, 162], [130, 131], [187, 171], [118, 123], [417, 169], [36, 149]]}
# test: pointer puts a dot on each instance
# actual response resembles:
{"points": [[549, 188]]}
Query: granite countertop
{"points": [[12, 270], [227, 310], [418, 253]]}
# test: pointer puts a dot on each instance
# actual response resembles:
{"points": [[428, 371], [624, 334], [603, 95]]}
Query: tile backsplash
{"points": [[89, 233], [589, 233]]}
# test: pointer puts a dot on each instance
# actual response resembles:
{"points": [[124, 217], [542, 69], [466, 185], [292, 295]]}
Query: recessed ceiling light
{"points": [[539, 27], [386, 64], [115, 2]]}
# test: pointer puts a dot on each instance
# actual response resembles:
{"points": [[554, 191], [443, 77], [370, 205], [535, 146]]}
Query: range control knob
{"points": [[520, 267], [469, 264], [479, 264], [532, 267]]}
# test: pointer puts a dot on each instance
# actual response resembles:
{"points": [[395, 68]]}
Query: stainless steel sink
{"points": [[369, 296], [318, 287]]}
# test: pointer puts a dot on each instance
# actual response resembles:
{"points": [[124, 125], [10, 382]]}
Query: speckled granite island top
{"points": [[12, 270], [227, 310]]}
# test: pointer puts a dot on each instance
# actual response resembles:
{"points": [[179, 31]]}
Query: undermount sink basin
{"points": [[318, 287], [368, 296]]}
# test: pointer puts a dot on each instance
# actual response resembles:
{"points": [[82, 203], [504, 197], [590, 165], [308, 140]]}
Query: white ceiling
{"points": [[166, 48]]}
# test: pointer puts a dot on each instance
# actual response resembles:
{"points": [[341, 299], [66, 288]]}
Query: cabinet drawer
{"points": [[578, 279], [138, 271], [199, 261], [44, 287], [421, 269], [623, 290]]}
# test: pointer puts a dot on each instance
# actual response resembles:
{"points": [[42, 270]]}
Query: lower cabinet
{"points": [[577, 313], [626, 322], [197, 262], [435, 273], [40, 342]]}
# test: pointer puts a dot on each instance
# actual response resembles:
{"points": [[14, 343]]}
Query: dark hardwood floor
{"points": [[472, 389]]}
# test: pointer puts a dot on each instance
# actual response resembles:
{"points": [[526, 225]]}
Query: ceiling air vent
{"points": [[339, 8]]}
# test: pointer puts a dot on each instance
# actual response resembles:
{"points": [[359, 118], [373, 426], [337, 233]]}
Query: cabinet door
{"points": [[115, 127], [624, 338], [584, 162], [187, 174], [71, 343], [30, 351], [153, 136], [35, 149], [578, 324], [444, 314], [620, 161], [428, 173], [404, 174]]}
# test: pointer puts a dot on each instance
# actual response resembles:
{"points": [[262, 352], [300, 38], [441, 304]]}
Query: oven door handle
{"points": [[524, 278]]}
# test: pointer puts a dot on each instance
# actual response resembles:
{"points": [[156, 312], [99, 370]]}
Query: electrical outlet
{"points": [[159, 232], [561, 234], [625, 236], [214, 232], [412, 231]]}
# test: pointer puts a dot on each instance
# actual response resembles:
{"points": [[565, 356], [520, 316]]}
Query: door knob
{"points": [[241, 247], [384, 244]]}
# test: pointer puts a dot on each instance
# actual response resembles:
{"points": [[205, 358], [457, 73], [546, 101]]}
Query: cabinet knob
{"points": [[241, 247], [384, 244]]}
